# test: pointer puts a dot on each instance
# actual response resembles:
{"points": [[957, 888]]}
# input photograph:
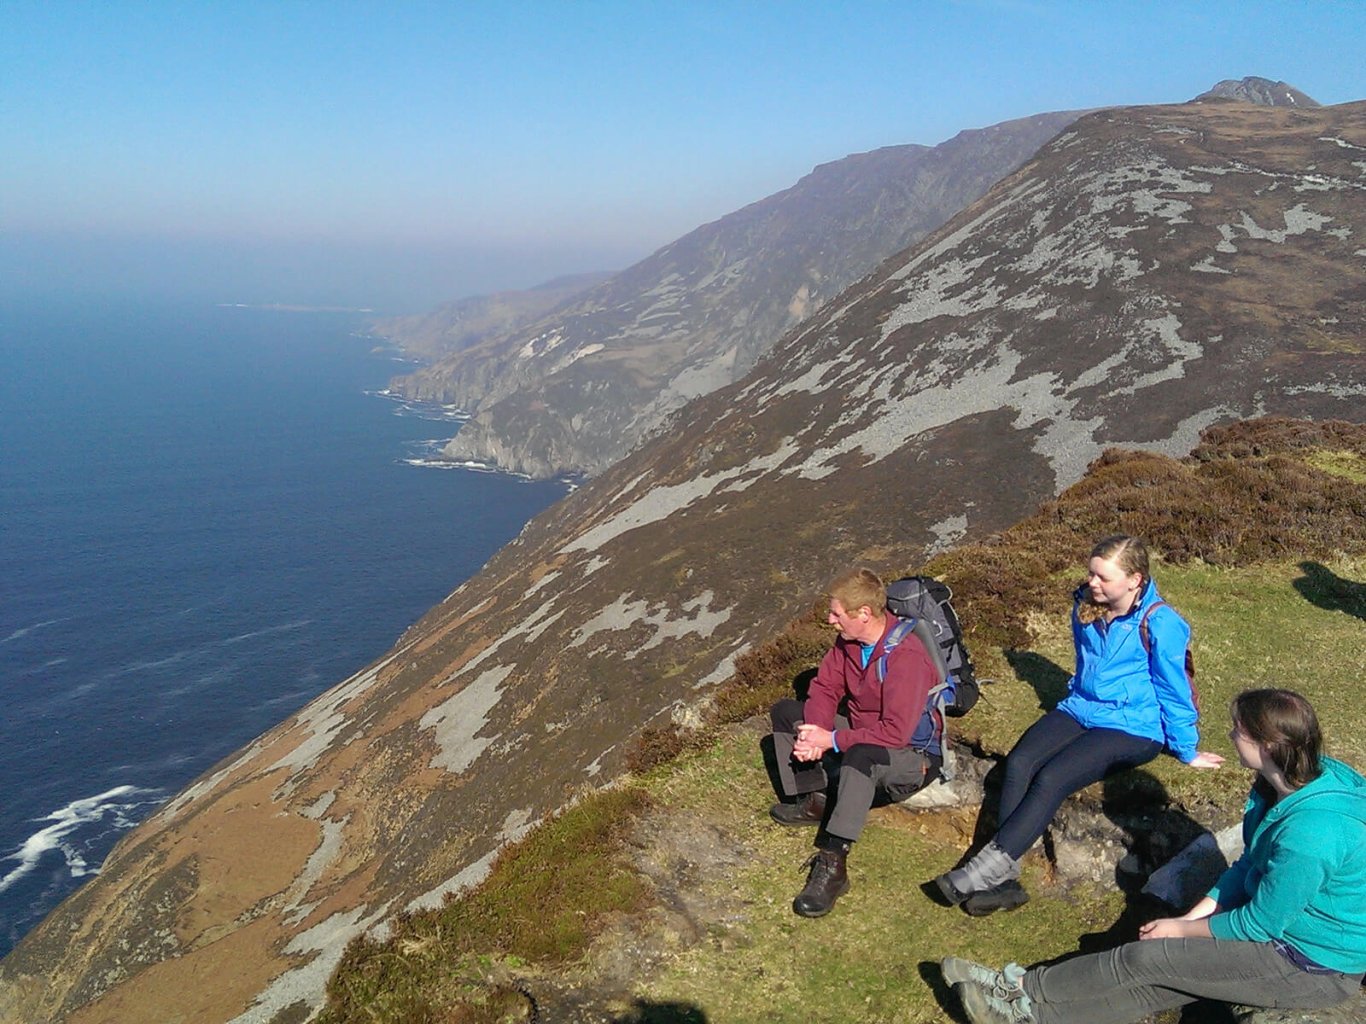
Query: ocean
{"points": [[208, 516]]}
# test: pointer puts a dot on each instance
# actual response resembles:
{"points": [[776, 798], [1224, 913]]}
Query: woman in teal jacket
{"points": [[1128, 699], [1285, 926]]}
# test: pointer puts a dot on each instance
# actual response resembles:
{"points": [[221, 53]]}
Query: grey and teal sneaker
{"points": [[956, 970], [989, 996], [989, 1006]]}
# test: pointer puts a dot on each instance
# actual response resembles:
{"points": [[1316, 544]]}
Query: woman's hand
{"points": [[1205, 759], [1175, 928]]}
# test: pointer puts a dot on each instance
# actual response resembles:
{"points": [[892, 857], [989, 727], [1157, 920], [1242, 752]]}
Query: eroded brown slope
{"points": [[1154, 270]]}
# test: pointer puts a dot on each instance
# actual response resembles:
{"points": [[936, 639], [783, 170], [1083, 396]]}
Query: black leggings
{"points": [[1055, 757]]}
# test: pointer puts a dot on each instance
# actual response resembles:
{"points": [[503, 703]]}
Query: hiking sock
{"points": [[836, 844], [989, 868]]}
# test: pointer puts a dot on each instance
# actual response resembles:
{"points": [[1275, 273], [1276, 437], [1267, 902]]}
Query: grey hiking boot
{"points": [[989, 868], [1006, 896]]}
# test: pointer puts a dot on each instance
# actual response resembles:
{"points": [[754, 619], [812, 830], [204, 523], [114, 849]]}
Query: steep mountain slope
{"points": [[1150, 272], [579, 389], [455, 326]]}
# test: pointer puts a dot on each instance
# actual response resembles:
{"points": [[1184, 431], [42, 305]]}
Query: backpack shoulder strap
{"points": [[894, 636], [924, 631], [1143, 633], [1147, 640]]}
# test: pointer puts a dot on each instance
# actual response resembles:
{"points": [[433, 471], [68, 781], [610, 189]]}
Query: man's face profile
{"points": [[849, 624]]}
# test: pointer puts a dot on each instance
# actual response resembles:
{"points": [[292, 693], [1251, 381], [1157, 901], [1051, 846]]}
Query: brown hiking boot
{"points": [[827, 882], [808, 810]]}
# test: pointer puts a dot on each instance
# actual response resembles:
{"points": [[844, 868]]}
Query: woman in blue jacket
{"points": [[1128, 699], [1285, 926]]}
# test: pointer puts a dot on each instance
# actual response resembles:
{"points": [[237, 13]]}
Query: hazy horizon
{"points": [[358, 155]]}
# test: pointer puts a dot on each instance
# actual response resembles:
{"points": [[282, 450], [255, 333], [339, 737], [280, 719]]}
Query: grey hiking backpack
{"points": [[923, 604]]}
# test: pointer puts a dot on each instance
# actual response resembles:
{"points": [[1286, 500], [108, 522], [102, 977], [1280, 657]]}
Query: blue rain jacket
{"points": [[1119, 685]]}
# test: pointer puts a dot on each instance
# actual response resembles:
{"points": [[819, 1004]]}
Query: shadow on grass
{"points": [[1047, 677], [1325, 589], [944, 995], [1155, 831], [644, 1011]]}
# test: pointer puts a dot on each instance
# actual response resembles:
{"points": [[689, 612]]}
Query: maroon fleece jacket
{"points": [[883, 713]]}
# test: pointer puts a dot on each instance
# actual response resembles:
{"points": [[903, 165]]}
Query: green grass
{"points": [[873, 957], [544, 901], [1348, 464]]}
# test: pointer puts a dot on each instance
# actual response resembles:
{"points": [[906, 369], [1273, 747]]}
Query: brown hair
{"points": [[1129, 553], [1284, 723], [855, 588]]}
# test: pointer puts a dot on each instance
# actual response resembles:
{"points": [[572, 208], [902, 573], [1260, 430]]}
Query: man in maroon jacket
{"points": [[868, 696]]}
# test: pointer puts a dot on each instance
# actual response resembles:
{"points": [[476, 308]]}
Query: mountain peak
{"points": [[1262, 91]]}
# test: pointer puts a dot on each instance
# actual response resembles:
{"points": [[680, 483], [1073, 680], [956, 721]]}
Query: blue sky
{"points": [[396, 155]]}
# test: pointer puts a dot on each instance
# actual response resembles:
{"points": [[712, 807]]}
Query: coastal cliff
{"points": [[1152, 271], [576, 390]]}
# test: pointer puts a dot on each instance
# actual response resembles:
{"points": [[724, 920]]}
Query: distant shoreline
{"points": [[282, 307]]}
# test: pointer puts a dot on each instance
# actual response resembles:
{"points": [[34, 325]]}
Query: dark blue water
{"points": [[205, 521]]}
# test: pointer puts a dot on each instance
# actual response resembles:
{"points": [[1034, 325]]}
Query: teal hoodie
{"points": [[1302, 875]]}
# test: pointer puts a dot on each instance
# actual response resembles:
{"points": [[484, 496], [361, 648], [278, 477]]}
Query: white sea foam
{"points": [[421, 410], [112, 808], [285, 627], [472, 466], [477, 467], [198, 650], [19, 634]]}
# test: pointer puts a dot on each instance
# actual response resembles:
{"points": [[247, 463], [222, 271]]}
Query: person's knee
{"points": [[866, 758], [1022, 766], [1145, 961], [785, 715], [1060, 778]]}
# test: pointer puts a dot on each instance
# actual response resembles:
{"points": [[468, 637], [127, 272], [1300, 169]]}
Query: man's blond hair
{"points": [[857, 588]]}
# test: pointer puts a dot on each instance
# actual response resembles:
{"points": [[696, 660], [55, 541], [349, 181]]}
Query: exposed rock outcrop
{"points": [[1150, 272]]}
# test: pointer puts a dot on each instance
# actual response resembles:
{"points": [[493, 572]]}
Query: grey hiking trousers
{"points": [[862, 769], [1129, 982]]}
